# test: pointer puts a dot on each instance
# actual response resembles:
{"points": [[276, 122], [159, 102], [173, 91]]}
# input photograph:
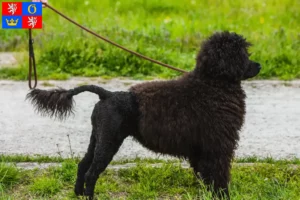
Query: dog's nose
{"points": [[259, 67]]}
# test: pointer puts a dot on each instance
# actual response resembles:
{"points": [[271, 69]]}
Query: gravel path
{"points": [[272, 123]]}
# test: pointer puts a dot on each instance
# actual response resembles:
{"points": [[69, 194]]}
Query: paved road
{"points": [[272, 123]]}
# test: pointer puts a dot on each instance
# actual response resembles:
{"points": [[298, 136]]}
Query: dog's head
{"points": [[225, 56]]}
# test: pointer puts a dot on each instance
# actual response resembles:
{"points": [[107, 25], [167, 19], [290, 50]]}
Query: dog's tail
{"points": [[59, 102]]}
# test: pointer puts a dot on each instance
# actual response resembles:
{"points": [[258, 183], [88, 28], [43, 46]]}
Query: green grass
{"points": [[9, 175], [30, 158], [45, 187], [170, 181], [169, 31], [15, 158], [270, 160]]}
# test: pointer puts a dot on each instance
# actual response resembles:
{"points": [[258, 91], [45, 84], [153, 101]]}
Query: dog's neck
{"points": [[197, 75]]}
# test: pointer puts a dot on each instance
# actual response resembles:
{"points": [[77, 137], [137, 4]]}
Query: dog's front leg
{"points": [[214, 172]]}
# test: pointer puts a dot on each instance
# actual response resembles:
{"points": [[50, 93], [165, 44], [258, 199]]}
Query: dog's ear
{"points": [[223, 56]]}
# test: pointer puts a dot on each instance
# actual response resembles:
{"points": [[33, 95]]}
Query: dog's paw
{"points": [[88, 196], [79, 190]]}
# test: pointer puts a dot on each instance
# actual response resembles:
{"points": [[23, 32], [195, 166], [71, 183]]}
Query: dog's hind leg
{"points": [[104, 153], [109, 139], [84, 165], [214, 172]]}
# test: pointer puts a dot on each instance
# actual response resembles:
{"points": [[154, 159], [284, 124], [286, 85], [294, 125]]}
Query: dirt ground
{"points": [[272, 125]]}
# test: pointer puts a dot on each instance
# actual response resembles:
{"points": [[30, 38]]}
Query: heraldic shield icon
{"points": [[22, 15]]}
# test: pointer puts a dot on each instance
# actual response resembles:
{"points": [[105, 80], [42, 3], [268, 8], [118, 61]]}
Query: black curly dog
{"points": [[197, 117]]}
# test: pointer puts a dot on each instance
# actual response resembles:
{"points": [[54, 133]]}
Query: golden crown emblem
{"points": [[12, 22]]}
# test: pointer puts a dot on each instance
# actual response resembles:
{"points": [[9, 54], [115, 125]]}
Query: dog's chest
{"points": [[170, 123]]}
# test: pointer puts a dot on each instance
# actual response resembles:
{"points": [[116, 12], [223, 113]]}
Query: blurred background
{"points": [[170, 31]]}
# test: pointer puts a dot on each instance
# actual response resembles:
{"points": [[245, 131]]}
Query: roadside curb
{"points": [[185, 165]]}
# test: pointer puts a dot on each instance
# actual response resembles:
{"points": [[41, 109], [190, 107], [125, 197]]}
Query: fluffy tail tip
{"points": [[57, 103]]}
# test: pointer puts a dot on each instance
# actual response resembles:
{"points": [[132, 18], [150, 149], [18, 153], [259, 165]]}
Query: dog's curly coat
{"points": [[197, 117]]}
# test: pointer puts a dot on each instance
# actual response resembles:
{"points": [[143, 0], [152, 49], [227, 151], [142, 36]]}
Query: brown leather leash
{"points": [[32, 60], [32, 65]]}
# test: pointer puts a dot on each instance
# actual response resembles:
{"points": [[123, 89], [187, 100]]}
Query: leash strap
{"points": [[113, 43], [32, 65], [31, 62]]}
